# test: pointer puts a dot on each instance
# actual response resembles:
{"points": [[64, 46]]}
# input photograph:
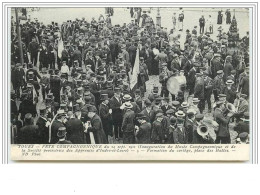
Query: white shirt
{"points": [[65, 69]]}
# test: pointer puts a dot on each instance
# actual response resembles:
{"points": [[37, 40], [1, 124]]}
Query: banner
{"points": [[134, 76]]}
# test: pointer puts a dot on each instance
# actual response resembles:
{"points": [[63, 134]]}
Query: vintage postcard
{"points": [[130, 83]]}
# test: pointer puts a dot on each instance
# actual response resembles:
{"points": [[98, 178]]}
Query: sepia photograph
{"points": [[130, 75]]}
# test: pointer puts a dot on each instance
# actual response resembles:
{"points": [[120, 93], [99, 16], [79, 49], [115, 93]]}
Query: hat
{"points": [[158, 100], [147, 102], [117, 89], [141, 58], [92, 109], [222, 96], [219, 102], [184, 104], [233, 71], [173, 120], [217, 55], [230, 82], [61, 132], [191, 113], [170, 111], [103, 97], [243, 136], [180, 113], [127, 97], [61, 112], [44, 70], [195, 100], [199, 116], [140, 116], [175, 103], [243, 95], [164, 64], [128, 105], [28, 116], [63, 106], [159, 114], [246, 116], [219, 71]]}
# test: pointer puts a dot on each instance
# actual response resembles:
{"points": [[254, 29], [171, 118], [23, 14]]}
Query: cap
{"points": [[170, 111], [219, 71], [147, 102], [199, 116], [159, 114]]}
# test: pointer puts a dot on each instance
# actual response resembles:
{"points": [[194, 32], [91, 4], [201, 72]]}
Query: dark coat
{"points": [[179, 136], [150, 117], [157, 135], [189, 131], [144, 134], [199, 89], [54, 130], [43, 130], [170, 139], [244, 84], [223, 122], [117, 113], [164, 109], [191, 79], [27, 106], [75, 131], [242, 127], [227, 70], [29, 134], [98, 131], [106, 119], [128, 121], [231, 94]]}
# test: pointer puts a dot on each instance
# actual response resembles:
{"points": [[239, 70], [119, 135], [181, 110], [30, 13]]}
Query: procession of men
{"points": [[85, 82]]}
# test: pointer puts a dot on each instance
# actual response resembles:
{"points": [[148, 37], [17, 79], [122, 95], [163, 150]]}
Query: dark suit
{"points": [[144, 134], [29, 134], [117, 115], [44, 131], [75, 132], [54, 130], [242, 127], [150, 117], [223, 134], [189, 131], [191, 80], [179, 136], [164, 109], [106, 119], [98, 131], [157, 135], [128, 127]]}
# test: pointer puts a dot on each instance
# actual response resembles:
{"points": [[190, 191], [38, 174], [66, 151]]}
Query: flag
{"points": [[134, 76]]}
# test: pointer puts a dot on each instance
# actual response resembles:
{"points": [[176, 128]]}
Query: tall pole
{"points": [[18, 31]]}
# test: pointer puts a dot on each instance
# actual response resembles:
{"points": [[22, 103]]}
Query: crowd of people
{"points": [[74, 84]]}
